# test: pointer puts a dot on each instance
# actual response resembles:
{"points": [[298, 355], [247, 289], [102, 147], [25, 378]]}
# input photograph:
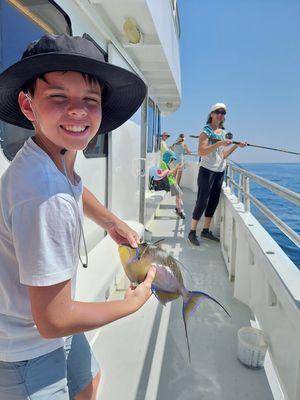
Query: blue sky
{"points": [[245, 53]]}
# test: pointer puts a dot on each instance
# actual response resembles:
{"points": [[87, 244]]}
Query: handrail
{"points": [[274, 187], [245, 197]]}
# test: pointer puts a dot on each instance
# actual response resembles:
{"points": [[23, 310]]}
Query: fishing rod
{"points": [[229, 136]]}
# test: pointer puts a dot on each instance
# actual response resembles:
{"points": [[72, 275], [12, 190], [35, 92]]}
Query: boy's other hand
{"points": [[141, 293], [121, 233]]}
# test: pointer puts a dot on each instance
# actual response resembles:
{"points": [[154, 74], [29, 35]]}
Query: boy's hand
{"points": [[122, 233], [242, 144], [141, 293]]}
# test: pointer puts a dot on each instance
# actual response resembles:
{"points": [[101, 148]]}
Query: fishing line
{"points": [[81, 233], [229, 136]]}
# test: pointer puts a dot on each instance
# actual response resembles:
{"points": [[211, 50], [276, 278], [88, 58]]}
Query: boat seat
{"points": [[153, 200]]}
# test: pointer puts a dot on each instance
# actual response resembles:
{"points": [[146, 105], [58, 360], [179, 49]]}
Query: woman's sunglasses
{"points": [[222, 112]]}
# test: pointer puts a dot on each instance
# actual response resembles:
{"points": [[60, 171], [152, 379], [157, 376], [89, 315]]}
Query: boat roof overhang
{"points": [[157, 54]]}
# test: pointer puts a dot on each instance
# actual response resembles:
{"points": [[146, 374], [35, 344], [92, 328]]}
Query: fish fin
{"points": [[156, 294], [158, 242], [185, 329], [193, 301], [163, 296], [190, 304]]}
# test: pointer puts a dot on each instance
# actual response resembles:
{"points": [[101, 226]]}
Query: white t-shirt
{"points": [[39, 237]]}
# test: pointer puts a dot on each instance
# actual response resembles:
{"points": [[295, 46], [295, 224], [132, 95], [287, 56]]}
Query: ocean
{"points": [[288, 176]]}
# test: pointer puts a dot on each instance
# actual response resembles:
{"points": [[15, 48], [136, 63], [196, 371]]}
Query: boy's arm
{"points": [[57, 315], [118, 229]]}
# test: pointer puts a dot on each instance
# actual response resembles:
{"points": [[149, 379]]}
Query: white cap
{"points": [[217, 106]]}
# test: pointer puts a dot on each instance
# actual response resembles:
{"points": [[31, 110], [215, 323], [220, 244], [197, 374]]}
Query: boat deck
{"points": [[144, 356]]}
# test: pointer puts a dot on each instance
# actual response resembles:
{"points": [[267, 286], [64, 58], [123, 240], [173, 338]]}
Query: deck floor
{"points": [[144, 356]]}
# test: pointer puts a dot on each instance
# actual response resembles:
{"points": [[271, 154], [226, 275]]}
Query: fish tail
{"points": [[191, 302]]}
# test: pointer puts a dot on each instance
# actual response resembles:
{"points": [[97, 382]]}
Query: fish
{"points": [[168, 284]]}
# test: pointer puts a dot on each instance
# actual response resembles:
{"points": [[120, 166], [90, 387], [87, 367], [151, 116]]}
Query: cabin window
{"points": [[97, 147], [22, 21], [150, 125]]}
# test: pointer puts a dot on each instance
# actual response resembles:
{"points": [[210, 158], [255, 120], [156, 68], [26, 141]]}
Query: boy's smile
{"points": [[65, 110]]}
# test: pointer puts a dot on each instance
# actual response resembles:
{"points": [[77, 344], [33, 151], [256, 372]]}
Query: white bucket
{"points": [[252, 347]]}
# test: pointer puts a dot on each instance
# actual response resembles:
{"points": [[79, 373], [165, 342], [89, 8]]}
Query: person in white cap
{"points": [[163, 144], [211, 148]]}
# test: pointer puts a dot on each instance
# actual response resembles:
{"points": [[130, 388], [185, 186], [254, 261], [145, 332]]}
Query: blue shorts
{"points": [[58, 375]]}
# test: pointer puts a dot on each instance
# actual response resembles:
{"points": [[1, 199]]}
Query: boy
{"points": [[63, 88], [167, 159]]}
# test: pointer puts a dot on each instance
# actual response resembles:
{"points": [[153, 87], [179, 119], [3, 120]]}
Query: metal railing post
{"points": [[240, 189], [247, 191], [228, 184]]}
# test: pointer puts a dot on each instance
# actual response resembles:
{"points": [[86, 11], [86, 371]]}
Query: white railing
{"points": [[245, 196], [264, 277]]}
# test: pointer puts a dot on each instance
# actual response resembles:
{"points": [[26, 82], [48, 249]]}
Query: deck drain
{"points": [[270, 252]]}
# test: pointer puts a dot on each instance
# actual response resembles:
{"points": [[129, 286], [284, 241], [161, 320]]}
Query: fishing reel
{"points": [[228, 135]]}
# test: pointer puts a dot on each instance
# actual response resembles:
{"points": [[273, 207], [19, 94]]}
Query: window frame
{"points": [[150, 144]]}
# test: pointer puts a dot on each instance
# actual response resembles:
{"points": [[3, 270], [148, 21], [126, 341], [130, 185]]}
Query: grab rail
{"points": [[244, 196]]}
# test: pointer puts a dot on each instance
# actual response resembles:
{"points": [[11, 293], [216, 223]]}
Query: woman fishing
{"points": [[211, 148]]}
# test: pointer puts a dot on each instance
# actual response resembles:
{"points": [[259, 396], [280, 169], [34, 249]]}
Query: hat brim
{"points": [[160, 174], [124, 91]]}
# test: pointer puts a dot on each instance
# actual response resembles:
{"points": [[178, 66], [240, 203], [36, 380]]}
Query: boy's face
{"points": [[65, 110]]}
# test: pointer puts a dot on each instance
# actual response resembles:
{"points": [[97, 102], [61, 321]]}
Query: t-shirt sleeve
{"points": [[207, 130], [44, 235]]}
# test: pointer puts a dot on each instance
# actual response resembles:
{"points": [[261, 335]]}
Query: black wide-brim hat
{"points": [[123, 93]]}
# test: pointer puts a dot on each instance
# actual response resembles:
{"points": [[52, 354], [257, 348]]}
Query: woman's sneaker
{"points": [[209, 235], [193, 239]]}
